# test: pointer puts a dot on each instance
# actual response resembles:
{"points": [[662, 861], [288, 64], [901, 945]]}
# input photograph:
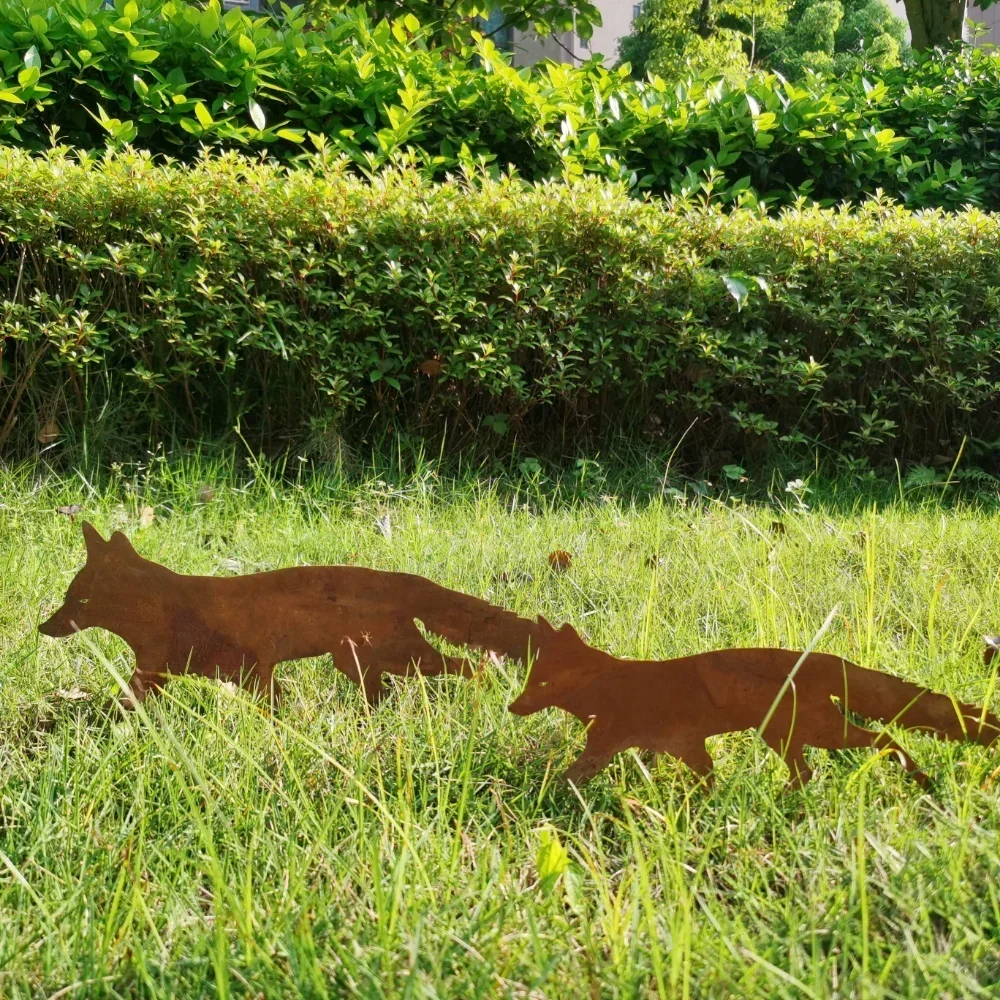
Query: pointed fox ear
{"points": [[545, 626], [92, 538], [120, 544], [569, 630]]}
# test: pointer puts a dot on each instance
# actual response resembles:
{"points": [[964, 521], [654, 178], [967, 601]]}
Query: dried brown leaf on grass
{"points": [[560, 561], [49, 433], [74, 694]]}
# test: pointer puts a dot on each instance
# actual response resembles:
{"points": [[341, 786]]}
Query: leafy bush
{"points": [[786, 36], [171, 77], [454, 21], [672, 38], [189, 299]]}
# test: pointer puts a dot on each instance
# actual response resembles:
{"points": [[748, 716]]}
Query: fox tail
{"points": [[470, 621], [881, 696]]}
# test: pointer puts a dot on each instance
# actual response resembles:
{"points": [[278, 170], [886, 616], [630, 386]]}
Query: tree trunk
{"points": [[706, 22], [935, 22]]}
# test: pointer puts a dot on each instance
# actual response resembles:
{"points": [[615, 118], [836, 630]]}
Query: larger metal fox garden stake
{"points": [[239, 628]]}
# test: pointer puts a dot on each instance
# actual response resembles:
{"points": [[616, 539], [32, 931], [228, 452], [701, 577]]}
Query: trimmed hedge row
{"points": [[185, 299], [170, 77]]}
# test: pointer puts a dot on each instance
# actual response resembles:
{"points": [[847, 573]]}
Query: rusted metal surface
{"points": [[672, 706], [239, 628]]}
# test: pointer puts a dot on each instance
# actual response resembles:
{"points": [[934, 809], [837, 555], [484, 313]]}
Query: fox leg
{"points": [[692, 752], [371, 682], [858, 737], [587, 765], [369, 677], [596, 756], [799, 772], [362, 665], [141, 684], [277, 694], [403, 658], [374, 687], [261, 679], [791, 752], [416, 650]]}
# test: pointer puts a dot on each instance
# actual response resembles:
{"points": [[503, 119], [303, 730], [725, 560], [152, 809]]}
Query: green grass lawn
{"points": [[203, 848]]}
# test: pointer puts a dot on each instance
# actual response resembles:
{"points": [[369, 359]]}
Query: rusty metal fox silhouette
{"points": [[672, 706], [239, 628]]}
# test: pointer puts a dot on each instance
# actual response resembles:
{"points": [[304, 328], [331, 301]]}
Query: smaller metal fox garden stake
{"points": [[672, 706]]}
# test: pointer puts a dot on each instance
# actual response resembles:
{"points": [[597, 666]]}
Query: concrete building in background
{"points": [[988, 19]]}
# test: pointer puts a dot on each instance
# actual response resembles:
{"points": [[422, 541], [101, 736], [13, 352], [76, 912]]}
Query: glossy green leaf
{"points": [[551, 859], [203, 115], [256, 114], [736, 288], [208, 23]]}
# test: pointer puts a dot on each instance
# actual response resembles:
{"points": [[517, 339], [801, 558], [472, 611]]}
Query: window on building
{"points": [[636, 11]]}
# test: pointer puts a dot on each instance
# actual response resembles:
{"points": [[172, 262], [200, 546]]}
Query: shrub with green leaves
{"points": [[185, 300], [171, 77]]}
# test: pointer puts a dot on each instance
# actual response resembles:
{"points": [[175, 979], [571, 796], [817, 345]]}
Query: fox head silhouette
{"points": [[102, 590], [562, 658]]}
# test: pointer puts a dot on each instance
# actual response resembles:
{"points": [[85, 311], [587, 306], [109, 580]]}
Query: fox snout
{"points": [[59, 625]]}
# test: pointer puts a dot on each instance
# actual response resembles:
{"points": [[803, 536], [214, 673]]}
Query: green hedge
{"points": [[185, 299], [171, 76]]}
